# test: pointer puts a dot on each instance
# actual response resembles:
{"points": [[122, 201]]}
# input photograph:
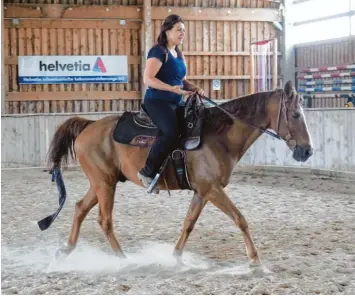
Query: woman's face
{"points": [[176, 35]]}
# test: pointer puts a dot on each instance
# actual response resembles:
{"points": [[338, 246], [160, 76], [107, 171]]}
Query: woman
{"points": [[165, 76]]}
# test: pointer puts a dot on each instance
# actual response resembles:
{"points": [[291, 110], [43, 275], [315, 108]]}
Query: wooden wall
{"points": [[217, 47], [25, 141], [72, 37], [79, 2], [197, 3], [333, 138], [219, 3], [220, 50], [325, 53]]}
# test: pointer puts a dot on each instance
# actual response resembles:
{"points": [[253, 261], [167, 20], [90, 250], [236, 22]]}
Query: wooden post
{"points": [[2, 64], [274, 66], [147, 36], [252, 69], [288, 65]]}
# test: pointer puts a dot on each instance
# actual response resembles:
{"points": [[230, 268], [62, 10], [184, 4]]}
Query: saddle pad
{"points": [[127, 131]]}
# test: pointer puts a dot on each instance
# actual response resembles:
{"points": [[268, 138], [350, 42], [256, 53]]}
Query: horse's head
{"points": [[288, 120]]}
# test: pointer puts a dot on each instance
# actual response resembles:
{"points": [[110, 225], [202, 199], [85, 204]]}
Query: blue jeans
{"points": [[169, 119]]}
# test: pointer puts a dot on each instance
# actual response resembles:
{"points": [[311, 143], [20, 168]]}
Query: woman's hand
{"points": [[200, 91], [177, 89]]}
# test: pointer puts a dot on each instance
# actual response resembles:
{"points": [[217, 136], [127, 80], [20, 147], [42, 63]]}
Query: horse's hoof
{"points": [[257, 269], [121, 255], [178, 258], [179, 261], [255, 262], [63, 252]]}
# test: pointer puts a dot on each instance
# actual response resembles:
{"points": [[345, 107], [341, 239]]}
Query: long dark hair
{"points": [[168, 24]]}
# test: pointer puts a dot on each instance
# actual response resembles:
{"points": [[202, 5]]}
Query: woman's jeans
{"points": [[169, 119]]}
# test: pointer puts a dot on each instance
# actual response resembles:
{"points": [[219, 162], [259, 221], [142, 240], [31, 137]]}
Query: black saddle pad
{"points": [[137, 128], [129, 131]]}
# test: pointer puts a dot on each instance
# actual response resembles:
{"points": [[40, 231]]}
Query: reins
{"points": [[263, 130]]}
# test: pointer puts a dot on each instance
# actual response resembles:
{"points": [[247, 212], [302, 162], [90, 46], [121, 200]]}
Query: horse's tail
{"points": [[63, 140]]}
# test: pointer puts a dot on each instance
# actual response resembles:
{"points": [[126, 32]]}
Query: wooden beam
{"points": [[252, 70], [72, 11], [73, 24], [221, 53], [97, 11], [132, 60], [223, 77], [72, 96], [148, 36], [18, 11], [56, 11], [2, 67], [220, 14], [274, 66]]}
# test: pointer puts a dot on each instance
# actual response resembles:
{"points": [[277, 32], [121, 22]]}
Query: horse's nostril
{"points": [[308, 152]]}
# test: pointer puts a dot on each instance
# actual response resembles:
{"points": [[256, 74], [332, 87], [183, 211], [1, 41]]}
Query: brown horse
{"points": [[209, 168]]}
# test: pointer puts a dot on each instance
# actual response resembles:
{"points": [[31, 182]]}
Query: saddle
{"points": [[138, 129]]}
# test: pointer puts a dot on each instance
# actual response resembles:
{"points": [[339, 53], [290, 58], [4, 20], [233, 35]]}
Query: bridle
{"points": [[281, 112]]}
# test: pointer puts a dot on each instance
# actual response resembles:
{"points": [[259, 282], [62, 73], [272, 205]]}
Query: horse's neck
{"points": [[239, 138]]}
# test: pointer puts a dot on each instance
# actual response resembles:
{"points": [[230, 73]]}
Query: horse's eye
{"points": [[296, 115]]}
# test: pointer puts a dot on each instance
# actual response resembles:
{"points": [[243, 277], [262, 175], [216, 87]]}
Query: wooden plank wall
{"points": [[72, 37], [198, 3], [79, 2], [333, 141], [211, 49], [25, 141], [324, 54], [218, 3], [220, 49], [331, 53], [214, 49]]}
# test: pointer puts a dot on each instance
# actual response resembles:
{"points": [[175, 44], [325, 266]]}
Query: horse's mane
{"points": [[246, 108]]}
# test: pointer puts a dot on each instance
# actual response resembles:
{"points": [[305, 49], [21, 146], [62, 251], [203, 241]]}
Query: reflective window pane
{"points": [[334, 28], [318, 8]]}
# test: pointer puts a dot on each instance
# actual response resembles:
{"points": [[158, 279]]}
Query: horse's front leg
{"points": [[219, 198], [196, 206]]}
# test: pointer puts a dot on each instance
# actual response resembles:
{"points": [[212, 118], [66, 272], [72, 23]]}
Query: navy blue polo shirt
{"points": [[171, 72]]}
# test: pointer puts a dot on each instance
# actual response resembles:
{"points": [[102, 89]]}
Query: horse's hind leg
{"points": [[196, 206], [219, 198], [82, 208], [105, 196]]}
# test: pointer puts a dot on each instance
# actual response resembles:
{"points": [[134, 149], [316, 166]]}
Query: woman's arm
{"points": [[151, 69], [192, 87], [188, 85]]}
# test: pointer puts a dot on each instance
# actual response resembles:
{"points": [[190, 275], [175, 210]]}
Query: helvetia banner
{"points": [[72, 69]]}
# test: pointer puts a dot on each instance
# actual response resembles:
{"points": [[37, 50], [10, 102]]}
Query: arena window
{"points": [[315, 20]]}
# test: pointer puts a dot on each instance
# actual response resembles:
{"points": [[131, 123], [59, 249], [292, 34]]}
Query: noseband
{"points": [[282, 112]]}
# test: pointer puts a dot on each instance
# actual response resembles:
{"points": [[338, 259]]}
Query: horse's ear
{"points": [[288, 88]]}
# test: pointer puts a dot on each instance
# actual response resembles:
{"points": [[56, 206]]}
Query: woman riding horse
{"points": [[165, 76]]}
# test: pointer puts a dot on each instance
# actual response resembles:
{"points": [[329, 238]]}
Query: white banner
{"points": [[72, 69]]}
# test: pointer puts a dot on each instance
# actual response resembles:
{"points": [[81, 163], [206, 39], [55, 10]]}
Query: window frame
{"points": [[350, 14]]}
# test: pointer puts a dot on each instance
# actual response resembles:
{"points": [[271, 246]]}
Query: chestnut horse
{"points": [[224, 142]]}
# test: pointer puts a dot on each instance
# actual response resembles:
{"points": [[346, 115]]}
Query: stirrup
{"points": [[145, 182], [157, 176], [154, 182]]}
